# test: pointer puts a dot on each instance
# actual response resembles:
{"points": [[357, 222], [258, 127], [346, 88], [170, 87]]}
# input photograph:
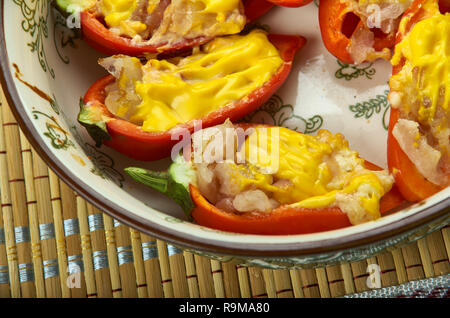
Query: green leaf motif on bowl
{"points": [[58, 136], [276, 112], [350, 72], [373, 106], [54, 104], [35, 22], [103, 164], [63, 36]]}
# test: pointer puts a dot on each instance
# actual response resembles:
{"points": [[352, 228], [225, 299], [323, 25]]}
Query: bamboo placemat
{"points": [[48, 234]]}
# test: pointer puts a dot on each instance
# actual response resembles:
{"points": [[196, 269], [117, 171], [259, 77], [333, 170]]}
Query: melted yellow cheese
{"points": [[426, 73], [118, 14], [223, 71], [319, 168]]}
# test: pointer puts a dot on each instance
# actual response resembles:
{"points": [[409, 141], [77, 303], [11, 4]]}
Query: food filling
{"points": [[421, 93], [164, 93], [168, 21], [276, 166], [378, 16]]}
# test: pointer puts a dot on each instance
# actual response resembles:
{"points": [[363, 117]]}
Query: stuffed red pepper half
{"points": [[357, 31], [136, 27], [419, 129], [138, 109], [256, 179]]}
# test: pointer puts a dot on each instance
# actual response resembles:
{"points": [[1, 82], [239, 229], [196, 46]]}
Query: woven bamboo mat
{"points": [[46, 229]]}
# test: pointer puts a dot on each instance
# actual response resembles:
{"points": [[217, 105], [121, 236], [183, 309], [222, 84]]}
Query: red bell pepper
{"points": [[413, 186], [129, 139], [281, 221], [338, 24], [97, 35], [256, 8], [411, 183], [290, 3]]}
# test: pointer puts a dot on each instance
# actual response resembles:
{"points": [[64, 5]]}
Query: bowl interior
{"points": [[48, 68]]}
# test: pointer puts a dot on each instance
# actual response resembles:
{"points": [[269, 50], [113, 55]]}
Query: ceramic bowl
{"points": [[39, 50]]}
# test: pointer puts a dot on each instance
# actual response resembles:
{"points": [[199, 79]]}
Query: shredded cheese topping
{"points": [[180, 19], [278, 166], [421, 92], [165, 93]]}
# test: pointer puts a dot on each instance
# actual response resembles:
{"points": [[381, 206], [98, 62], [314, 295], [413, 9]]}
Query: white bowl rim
{"points": [[398, 227]]}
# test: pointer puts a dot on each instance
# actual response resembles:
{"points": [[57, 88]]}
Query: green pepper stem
{"points": [[95, 126], [154, 179], [164, 182]]}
